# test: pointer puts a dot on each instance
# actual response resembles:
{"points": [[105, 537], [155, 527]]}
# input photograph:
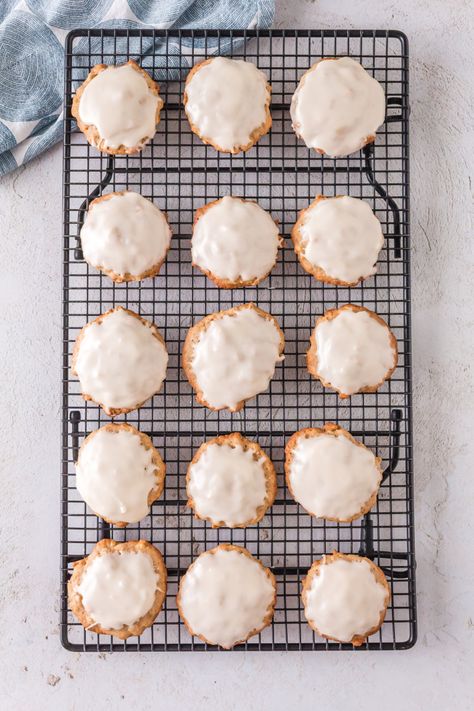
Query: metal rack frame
{"points": [[181, 174]]}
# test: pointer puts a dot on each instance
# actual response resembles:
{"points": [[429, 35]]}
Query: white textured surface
{"points": [[36, 673]]}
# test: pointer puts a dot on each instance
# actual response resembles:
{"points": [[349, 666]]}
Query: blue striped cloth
{"points": [[32, 34]]}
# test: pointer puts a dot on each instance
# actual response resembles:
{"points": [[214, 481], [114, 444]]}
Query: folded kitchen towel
{"points": [[32, 35]]}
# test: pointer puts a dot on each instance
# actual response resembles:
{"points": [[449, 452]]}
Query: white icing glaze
{"points": [[119, 362], [343, 237], [345, 599], [120, 104], [126, 234], [331, 476], [235, 239], [353, 351], [224, 596], [118, 588], [235, 357], [114, 475], [227, 484], [337, 106], [226, 101]]}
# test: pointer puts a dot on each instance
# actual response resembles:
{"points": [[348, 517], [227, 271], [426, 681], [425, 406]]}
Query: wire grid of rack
{"points": [[181, 174]]}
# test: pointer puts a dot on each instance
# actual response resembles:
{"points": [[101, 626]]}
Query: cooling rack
{"points": [[180, 174]]}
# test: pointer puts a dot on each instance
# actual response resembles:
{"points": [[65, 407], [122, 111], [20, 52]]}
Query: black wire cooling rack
{"points": [[180, 174]]}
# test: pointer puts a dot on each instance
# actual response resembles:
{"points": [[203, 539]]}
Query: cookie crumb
{"points": [[53, 680]]}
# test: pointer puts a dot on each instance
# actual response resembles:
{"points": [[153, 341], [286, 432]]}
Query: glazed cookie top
{"points": [[234, 241], [330, 474], [344, 599], [226, 101], [226, 595], [120, 360], [355, 350], [341, 236], [337, 107], [119, 102], [227, 481], [125, 235], [234, 356], [116, 471], [118, 588]]}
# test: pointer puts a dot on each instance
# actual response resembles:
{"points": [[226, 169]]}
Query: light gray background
{"points": [[35, 672]]}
